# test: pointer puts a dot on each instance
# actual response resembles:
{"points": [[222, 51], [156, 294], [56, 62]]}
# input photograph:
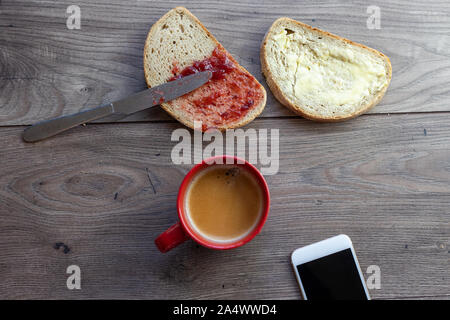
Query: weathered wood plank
{"points": [[47, 70], [383, 180], [446, 297]]}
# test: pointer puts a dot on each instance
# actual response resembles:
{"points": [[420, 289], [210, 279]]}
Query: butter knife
{"points": [[134, 103]]}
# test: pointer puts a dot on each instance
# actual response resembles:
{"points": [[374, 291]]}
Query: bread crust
{"points": [[250, 116], [279, 95]]}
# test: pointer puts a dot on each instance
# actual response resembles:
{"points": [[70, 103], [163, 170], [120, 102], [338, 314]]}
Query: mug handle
{"points": [[171, 238]]}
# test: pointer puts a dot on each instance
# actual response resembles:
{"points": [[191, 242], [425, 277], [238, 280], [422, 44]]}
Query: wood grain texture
{"points": [[47, 70], [107, 190]]}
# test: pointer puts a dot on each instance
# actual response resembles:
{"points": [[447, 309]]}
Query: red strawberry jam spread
{"points": [[226, 98]]}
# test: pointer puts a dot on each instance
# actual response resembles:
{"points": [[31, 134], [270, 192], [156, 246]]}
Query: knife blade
{"points": [[134, 103]]}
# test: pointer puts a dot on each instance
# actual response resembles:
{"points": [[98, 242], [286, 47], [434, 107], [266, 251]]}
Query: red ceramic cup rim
{"points": [[182, 193]]}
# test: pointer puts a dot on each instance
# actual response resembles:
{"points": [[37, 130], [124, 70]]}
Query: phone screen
{"points": [[333, 277]]}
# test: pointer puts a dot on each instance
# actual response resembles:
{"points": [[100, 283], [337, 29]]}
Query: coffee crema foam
{"points": [[224, 203]]}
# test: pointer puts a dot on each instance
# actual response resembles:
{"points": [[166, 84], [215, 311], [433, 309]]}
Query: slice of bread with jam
{"points": [[178, 45]]}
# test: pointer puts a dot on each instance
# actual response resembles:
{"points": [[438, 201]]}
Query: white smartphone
{"points": [[329, 270]]}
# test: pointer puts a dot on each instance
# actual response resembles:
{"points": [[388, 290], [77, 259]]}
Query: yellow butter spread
{"points": [[329, 74]]}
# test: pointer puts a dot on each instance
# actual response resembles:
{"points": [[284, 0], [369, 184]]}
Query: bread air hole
{"points": [[289, 31], [181, 28], [165, 26]]}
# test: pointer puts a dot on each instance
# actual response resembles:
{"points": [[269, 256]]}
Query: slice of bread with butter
{"points": [[322, 76]]}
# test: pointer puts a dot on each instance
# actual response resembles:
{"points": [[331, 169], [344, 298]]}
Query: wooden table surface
{"points": [[103, 192]]}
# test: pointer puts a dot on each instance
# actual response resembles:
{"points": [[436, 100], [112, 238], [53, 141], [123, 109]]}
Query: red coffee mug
{"points": [[182, 230]]}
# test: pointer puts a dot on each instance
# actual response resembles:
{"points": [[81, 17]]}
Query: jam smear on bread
{"points": [[226, 98]]}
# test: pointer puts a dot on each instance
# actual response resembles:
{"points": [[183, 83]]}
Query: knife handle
{"points": [[48, 128]]}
